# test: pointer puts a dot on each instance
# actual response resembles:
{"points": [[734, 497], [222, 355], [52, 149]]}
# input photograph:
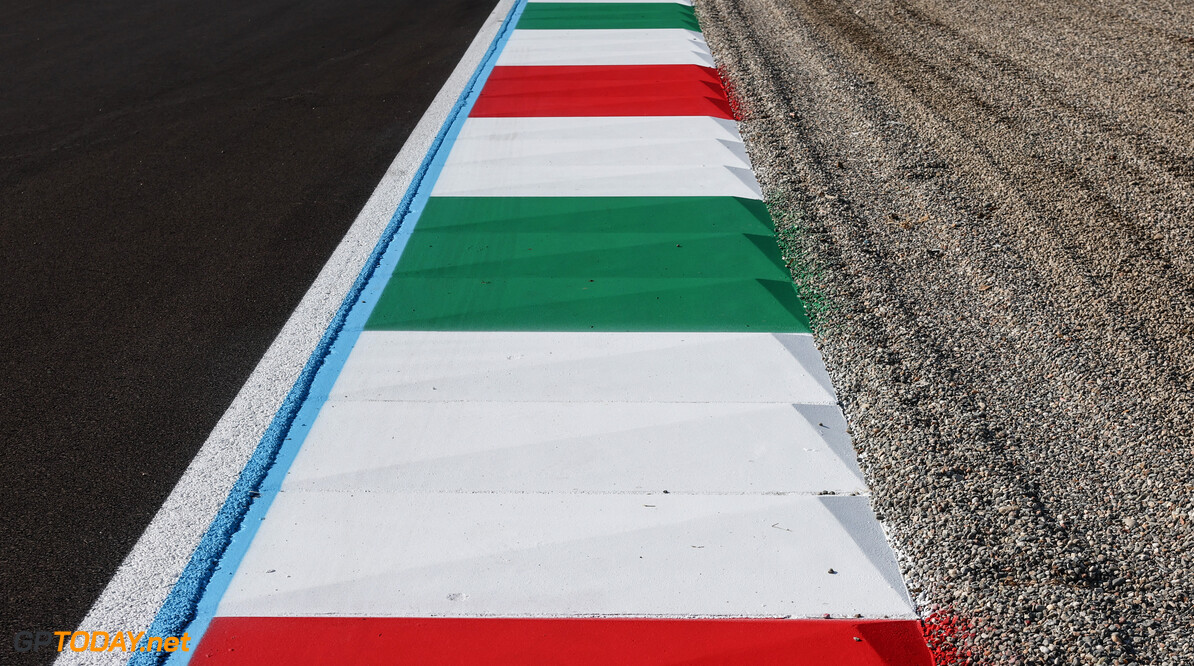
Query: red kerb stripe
{"points": [[615, 90], [298, 641]]}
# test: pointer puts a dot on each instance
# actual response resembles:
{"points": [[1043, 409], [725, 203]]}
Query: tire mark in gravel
{"points": [[1156, 155], [1132, 238], [1013, 372], [1181, 167]]}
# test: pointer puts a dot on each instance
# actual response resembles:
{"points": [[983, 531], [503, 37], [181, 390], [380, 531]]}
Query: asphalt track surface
{"points": [[172, 177]]}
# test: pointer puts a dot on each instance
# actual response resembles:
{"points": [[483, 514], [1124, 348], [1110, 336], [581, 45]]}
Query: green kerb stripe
{"points": [[577, 254], [578, 304], [597, 215], [606, 15], [607, 264]]}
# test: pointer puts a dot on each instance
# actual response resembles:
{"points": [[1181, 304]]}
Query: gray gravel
{"points": [[990, 207]]}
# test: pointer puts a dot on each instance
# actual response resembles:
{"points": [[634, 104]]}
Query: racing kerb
{"points": [[577, 414]]}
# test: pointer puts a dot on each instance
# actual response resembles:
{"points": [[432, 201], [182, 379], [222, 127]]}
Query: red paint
{"points": [[614, 90], [733, 100], [946, 635], [297, 641]]}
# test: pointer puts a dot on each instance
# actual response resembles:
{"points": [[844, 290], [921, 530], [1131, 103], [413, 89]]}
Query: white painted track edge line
{"points": [[131, 599]]}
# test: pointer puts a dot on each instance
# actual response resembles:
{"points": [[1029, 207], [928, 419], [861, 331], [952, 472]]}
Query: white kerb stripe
{"points": [[490, 446], [617, 156], [672, 46], [440, 366], [544, 555]]}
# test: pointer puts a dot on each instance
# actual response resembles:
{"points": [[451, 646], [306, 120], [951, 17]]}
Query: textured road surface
{"points": [[172, 177], [990, 202]]}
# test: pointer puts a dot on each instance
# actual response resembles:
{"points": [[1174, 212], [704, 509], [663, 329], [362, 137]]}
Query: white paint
{"points": [[672, 46], [584, 367], [576, 447], [138, 588], [616, 156], [518, 555]]}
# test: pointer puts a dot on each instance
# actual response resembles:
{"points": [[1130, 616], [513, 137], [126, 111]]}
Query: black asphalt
{"points": [[173, 174]]}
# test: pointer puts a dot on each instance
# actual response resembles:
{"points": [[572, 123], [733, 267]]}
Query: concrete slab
{"points": [[607, 447], [450, 641], [607, 16], [679, 216], [543, 555], [612, 156], [606, 47], [436, 366], [603, 90]]}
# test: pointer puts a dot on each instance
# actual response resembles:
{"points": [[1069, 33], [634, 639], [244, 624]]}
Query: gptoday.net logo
{"points": [[98, 641]]}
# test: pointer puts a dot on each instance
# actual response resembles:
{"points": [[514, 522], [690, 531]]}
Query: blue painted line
{"points": [[193, 600]]}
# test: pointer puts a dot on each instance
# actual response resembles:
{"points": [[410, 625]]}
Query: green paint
{"points": [[609, 264], [797, 235], [637, 255], [596, 215], [606, 15], [579, 304]]}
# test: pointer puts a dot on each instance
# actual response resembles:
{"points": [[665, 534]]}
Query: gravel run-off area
{"points": [[989, 206]]}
